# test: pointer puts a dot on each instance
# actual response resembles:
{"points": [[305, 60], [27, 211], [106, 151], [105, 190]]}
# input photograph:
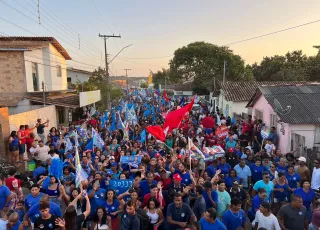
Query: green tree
{"points": [[97, 82], [202, 62], [144, 85], [159, 78], [290, 67]]}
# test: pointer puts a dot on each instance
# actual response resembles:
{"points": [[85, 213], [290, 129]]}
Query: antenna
{"points": [[279, 108]]}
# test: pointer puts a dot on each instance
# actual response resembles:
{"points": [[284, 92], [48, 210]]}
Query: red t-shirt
{"points": [[166, 183], [23, 140], [10, 181], [147, 197]]}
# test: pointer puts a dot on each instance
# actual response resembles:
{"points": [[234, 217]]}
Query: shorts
{"points": [[13, 148], [22, 149]]}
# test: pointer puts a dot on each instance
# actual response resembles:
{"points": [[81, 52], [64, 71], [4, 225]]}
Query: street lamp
{"points": [[119, 53]]}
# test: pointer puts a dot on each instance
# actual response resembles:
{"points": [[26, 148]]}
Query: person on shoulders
{"points": [[210, 221]]}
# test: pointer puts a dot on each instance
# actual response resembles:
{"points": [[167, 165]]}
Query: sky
{"points": [[157, 28]]}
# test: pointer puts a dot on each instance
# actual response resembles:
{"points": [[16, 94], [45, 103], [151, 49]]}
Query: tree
{"points": [[97, 82], [293, 66], [144, 85], [161, 78], [202, 62]]}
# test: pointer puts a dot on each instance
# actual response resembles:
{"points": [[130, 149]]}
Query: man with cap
{"points": [[178, 186], [303, 170], [165, 179], [237, 191], [115, 171]]}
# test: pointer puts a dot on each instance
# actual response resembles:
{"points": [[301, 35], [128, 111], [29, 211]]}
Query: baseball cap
{"points": [[109, 172], [179, 156], [112, 158], [303, 159], [114, 164], [177, 177], [158, 155]]}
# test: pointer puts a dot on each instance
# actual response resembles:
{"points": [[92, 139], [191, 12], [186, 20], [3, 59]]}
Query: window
{"points": [[69, 79], [35, 77], [259, 114], [273, 120], [58, 68]]}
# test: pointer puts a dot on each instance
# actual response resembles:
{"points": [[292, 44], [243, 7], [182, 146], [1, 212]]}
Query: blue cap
{"points": [[114, 164], [109, 172]]}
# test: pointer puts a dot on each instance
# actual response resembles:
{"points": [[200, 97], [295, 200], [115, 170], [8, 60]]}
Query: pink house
{"points": [[295, 112]]}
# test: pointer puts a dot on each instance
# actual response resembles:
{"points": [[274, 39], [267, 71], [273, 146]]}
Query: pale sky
{"points": [[158, 28]]}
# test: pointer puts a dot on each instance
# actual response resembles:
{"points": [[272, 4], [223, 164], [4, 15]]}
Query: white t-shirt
{"points": [[315, 180], [267, 222], [3, 224], [43, 153], [55, 156]]}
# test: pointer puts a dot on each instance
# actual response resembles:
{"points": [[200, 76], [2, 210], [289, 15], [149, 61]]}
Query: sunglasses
{"points": [[316, 163], [267, 177], [272, 167]]}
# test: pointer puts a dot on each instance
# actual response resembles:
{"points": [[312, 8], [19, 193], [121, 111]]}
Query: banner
{"points": [[120, 186], [222, 132], [213, 152], [130, 159]]}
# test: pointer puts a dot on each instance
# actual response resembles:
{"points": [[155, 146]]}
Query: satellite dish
{"points": [[279, 108]]}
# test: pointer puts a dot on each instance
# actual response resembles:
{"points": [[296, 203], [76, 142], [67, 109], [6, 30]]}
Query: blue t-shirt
{"points": [[112, 208], [307, 198], [228, 180], [31, 200], [234, 220], [145, 188], [256, 172], [256, 202], [34, 211], [38, 171], [4, 193], [211, 170], [214, 196], [293, 180], [186, 179], [269, 187], [281, 169], [225, 168], [21, 214], [98, 200], [16, 226], [217, 225]]}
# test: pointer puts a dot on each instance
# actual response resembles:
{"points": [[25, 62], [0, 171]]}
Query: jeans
{"points": [[42, 136]]}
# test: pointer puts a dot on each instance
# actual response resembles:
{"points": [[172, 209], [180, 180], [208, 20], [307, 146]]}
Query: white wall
{"points": [[306, 130], [30, 118], [77, 76], [47, 59], [184, 93], [239, 107]]}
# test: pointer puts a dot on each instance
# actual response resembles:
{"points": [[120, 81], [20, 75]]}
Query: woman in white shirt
{"points": [[154, 212], [315, 179], [265, 219]]}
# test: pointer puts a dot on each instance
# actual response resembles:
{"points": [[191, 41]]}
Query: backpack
{"points": [[144, 219]]}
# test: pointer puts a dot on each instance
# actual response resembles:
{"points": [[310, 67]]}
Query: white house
{"points": [[295, 112], [234, 96], [185, 89], [77, 75]]}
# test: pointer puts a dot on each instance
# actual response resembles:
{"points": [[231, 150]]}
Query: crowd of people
{"points": [[170, 184]]}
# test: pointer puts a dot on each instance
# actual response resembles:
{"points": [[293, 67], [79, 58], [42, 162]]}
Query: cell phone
{"points": [[84, 193]]}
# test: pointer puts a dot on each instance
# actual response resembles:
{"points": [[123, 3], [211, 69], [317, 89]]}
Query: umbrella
{"points": [[208, 122]]}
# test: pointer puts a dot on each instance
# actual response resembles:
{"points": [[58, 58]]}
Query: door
{"points": [[35, 77], [298, 143]]}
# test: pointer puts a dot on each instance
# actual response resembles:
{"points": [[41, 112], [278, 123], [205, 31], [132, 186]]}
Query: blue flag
{"points": [[89, 145], [113, 122], [181, 101], [143, 136]]}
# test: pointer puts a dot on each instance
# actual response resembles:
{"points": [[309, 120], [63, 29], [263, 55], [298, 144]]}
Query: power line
{"points": [[41, 25], [59, 56], [275, 32]]}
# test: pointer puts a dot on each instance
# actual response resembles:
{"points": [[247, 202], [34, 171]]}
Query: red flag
{"points": [[165, 96], [157, 132], [174, 118]]}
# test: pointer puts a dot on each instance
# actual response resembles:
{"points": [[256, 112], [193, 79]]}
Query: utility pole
{"points": [[127, 80], [105, 37], [224, 70], [44, 95], [39, 19]]}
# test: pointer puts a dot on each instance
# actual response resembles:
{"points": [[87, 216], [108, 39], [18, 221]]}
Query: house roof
{"points": [[184, 87], [29, 43], [78, 70], [68, 100], [244, 90], [294, 104]]}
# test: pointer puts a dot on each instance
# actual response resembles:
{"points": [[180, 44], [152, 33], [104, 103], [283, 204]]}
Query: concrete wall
{"points": [[30, 118], [4, 132], [47, 58], [263, 106], [23, 106], [12, 77], [77, 76]]}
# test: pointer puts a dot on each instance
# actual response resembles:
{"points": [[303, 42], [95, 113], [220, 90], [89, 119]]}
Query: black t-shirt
{"points": [[46, 224], [244, 139], [40, 129]]}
